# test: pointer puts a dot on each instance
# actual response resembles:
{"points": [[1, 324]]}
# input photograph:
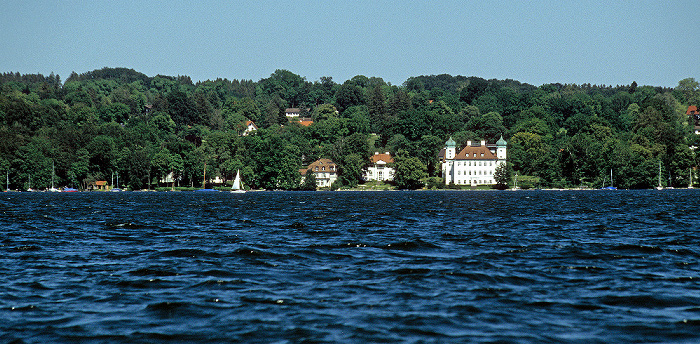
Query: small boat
{"points": [[69, 190], [659, 187], [29, 189], [204, 182], [690, 174], [206, 190], [611, 187], [117, 189], [236, 187], [53, 173]]}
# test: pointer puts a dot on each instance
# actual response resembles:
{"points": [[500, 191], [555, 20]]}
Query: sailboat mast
{"points": [[204, 180]]}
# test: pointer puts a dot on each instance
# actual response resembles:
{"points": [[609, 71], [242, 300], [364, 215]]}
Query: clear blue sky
{"points": [[537, 42]]}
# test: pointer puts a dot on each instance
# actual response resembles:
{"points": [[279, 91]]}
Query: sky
{"points": [[536, 42]]}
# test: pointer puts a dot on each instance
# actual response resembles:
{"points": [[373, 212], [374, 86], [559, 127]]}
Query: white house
{"points": [[474, 165], [379, 169], [325, 171], [250, 127], [294, 112]]}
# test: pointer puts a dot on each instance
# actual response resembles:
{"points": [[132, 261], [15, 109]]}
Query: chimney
{"points": [[387, 153], [483, 142], [469, 143], [376, 153]]}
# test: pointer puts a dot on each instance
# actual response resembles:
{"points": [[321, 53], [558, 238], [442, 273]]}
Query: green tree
{"points": [[309, 183], [475, 88], [409, 171], [503, 175], [690, 89], [349, 94], [324, 112]]}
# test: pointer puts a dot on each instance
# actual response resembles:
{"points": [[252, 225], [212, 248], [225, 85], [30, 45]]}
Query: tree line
{"points": [[119, 121]]}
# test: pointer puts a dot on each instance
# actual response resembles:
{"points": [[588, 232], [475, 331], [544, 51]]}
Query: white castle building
{"points": [[474, 165]]}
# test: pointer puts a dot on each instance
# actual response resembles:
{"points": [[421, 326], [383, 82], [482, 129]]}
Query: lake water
{"points": [[351, 267]]}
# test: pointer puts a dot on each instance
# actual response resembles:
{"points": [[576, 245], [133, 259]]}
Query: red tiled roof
{"points": [[692, 110], [306, 123], [382, 156], [475, 153], [323, 162]]}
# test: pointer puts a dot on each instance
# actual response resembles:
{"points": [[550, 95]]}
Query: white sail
{"points": [[236, 187]]}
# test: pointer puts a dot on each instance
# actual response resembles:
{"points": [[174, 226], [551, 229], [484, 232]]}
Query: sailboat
{"points": [[117, 189], [204, 182], [659, 187], [611, 187], [690, 174], [236, 187], [53, 173], [29, 189]]}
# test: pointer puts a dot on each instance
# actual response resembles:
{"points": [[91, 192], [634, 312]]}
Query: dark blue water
{"points": [[351, 267]]}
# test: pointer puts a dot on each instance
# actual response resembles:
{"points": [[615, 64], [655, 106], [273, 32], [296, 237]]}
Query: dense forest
{"points": [[119, 121]]}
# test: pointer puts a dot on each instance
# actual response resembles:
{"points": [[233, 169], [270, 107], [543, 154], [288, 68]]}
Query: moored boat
{"points": [[236, 187]]}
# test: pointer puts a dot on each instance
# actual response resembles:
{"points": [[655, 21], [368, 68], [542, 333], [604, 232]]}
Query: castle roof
{"points": [[475, 153]]}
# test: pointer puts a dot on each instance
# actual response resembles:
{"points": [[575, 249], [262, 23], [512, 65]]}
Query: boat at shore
{"points": [[236, 187], [659, 187], [611, 187]]}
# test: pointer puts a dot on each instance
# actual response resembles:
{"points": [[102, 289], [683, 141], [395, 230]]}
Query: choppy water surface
{"points": [[397, 267]]}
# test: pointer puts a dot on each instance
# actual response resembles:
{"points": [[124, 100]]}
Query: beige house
{"points": [[325, 171]]}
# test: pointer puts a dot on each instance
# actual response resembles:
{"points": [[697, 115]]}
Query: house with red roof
{"points": [[381, 167], [474, 165], [249, 128], [325, 171]]}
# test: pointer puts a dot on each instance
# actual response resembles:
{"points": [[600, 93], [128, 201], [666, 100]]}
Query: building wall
{"points": [[474, 164], [325, 179], [470, 172], [325, 171], [379, 172]]}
